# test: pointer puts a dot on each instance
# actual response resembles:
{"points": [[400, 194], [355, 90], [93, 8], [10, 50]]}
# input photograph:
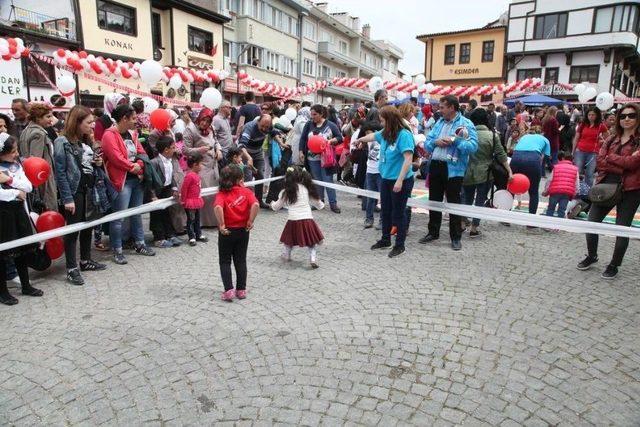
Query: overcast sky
{"points": [[400, 21]]}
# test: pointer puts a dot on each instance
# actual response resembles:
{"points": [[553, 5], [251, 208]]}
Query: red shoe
{"points": [[228, 295], [241, 294], [394, 230]]}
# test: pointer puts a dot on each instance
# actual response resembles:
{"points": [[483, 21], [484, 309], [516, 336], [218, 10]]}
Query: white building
{"points": [[574, 41]]}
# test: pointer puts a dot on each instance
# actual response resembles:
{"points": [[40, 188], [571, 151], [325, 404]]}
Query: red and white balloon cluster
{"points": [[149, 71], [13, 48], [350, 82], [279, 91], [439, 90]]}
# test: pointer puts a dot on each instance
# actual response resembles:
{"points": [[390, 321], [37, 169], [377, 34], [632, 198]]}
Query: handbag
{"points": [[497, 169], [38, 259], [606, 194]]}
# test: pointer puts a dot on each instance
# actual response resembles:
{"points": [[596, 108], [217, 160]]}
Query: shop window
{"points": [[36, 79], [584, 73], [116, 17], [200, 41], [449, 54], [465, 53]]}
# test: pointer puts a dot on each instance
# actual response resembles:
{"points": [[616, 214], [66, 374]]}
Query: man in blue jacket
{"points": [[451, 140]]}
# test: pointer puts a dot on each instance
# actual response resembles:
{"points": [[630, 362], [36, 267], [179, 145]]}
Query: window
{"points": [[226, 49], [465, 53], [341, 74], [273, 62], [200, 41], [197, 89], [487, 51], [116, 17], [618, 18], [35, 79], [156, 30], [551, 26], [287, 66], [309, 30], [343, 47], [449, 54], [529, 73], [253, 56], [324, 71], [551, 75], [584, 73], [308, 66], [486, 98]]}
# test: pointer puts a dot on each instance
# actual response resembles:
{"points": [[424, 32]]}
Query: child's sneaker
{"points": [[228, 295], [203, 239], [241, 294], [192, 242]]}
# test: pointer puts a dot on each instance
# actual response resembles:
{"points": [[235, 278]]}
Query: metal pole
{"points": [[238, 69]]}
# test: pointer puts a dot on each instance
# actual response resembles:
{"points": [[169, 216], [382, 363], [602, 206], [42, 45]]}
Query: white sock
{"points": [[286, 252], [313, 252]]}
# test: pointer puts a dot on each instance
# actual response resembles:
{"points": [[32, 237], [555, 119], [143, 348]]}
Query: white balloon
{"points": [[418, 138], [150, 72], [604, 101], [329, 100], [401, 95], [579, 88], [66, 84], [211, 98], [502, 199], [375, 83], [291, 113], [420, 79], [150, 104], [430, 87], [590, 93], [415, 93], [175, 82]]}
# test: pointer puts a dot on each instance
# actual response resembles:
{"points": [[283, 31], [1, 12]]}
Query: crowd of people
{"points": [[110, 159]]}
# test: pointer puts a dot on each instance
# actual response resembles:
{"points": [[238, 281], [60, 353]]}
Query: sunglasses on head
{"points": [[631, 116]]}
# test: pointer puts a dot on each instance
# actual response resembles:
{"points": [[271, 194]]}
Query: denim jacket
{"points": [[67, 171], [460, 150]]}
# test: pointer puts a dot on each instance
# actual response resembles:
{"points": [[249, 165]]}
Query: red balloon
{"points": [[54, 247], [82, 54], [37, 170], [61, 53], [49, 220], [160, 119], [519, 184], [12, 42], [13, 49], [317, 144]]}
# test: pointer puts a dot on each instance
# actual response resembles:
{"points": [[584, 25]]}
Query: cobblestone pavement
{"points": [[506, 332]]}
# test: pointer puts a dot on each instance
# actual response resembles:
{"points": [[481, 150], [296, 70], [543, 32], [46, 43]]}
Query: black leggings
{"points": [[234, 246], [85, 235], [193, 223], [626, 210], [23, 272]]}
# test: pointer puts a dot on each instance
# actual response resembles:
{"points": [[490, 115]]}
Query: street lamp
{"points": [[238, 67]]}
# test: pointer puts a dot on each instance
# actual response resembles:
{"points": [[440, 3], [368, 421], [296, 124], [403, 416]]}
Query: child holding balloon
{"points": [[15, 223]]}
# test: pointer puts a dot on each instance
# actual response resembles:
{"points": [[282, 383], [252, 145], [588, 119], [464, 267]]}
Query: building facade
{"points": [[575, 41], [467, 57], [175, 33], [44, 28]]}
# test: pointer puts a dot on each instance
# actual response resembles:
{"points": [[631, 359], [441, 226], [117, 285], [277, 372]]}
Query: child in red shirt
{"points": [[192, 200], [236, 207]]}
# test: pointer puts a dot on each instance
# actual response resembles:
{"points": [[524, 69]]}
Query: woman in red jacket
{"points": [[618, 162], [120, 148]]}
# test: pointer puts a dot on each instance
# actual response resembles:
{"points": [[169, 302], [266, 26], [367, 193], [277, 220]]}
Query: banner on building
{"points": [[11, 82]]}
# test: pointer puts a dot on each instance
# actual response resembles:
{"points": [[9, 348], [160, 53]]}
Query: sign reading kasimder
{"points": [[11, 82]]}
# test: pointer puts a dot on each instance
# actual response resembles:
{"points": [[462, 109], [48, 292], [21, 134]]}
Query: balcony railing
{"points": [[61, 28], [327, 50]]}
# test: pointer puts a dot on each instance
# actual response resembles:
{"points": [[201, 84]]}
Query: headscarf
{"points": [[304, 113], [205, 113], [111, 101]]}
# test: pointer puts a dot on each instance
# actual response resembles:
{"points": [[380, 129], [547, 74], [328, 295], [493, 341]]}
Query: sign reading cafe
{"points": [[200, 64]]}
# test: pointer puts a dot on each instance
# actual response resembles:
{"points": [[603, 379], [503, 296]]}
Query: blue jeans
{"points": [[559, 200], [587, 162], [476, 193], [130, 197], [394, 209], [326, 175], [528, 163], [373, 183]]}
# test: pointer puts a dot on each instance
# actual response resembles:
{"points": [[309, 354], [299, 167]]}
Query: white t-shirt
{"points": [[301, 209]]}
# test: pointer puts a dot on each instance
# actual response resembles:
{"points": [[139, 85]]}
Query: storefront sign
{"points": [[117, 43], [200, 64], [554, 90], [11, 82], [466, 71]]}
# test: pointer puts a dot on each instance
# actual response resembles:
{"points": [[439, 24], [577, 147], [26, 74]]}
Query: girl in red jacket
{"points": [[192, 200], [562, 185]]}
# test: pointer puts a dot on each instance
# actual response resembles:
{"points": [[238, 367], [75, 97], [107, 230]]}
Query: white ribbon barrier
{"points": [[497, 215], [145, 208]]}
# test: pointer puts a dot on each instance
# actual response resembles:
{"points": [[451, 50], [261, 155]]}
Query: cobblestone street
{"points": [[505, 332]]}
